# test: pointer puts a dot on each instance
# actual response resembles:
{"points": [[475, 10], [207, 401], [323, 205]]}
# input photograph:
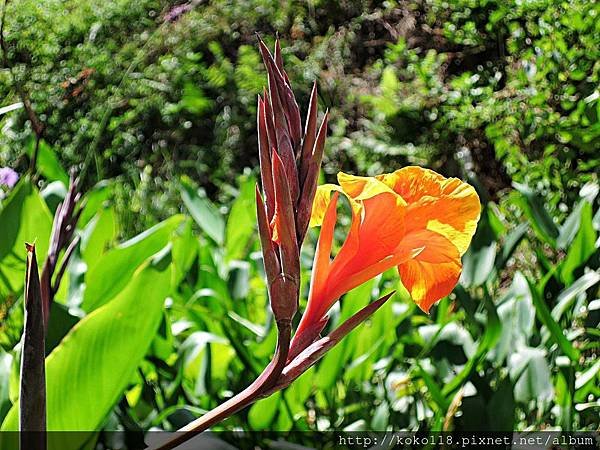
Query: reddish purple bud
{"points": [[271, 262], [264, 153], [282, 97], [283, 223], [309, 187], [310, 134], [277, 57]]}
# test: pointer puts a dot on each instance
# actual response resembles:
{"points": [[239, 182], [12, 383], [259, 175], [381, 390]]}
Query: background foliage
{"points": [[156, 104]]}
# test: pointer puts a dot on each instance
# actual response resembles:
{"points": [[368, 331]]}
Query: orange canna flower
{"points": [[414, 219]]}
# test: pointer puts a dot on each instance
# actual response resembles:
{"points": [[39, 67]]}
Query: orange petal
{"points": [[363, 188], [447, 206], [321, 203], [434, 272], [320, 269], [377, 229]]}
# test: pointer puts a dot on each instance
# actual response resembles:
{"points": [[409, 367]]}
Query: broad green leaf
{"points": [[566, 298], [47, 163], [113, 270], [202, 367], [569, 228], [582, 246], [24, 218], [517, 316], [478, 262], [185, 251], [98, 235], [538, 216], [262, 413], [53, 194], [92, 366], [239, 279], [589, 191], [451, 333], [510, 244], [587, 376], [297, 393], [490, 337], [596, 220], [241, 221], [530, 373], [381, 417], [206, 215], [96, 199], [553, 327]]}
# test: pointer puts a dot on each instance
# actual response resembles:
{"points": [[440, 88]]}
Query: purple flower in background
{"points": [[8, 177], [177, 12]]}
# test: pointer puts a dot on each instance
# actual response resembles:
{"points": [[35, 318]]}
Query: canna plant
{"points": [[413, 219]]}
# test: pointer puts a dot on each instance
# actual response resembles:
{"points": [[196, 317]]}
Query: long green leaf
{"points": [[488, 340], [582, 246], [206, 215], [538, 216], [90, 369], [47, 162], [566, 298], [114, 269], [543, 313], [241, 221], [23, 218], [478, 262]]}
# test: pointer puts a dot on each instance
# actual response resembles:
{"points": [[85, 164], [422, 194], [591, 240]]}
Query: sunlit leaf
{"points": [[530, 372], [538, 215], [582, 246], [241, 221], [114, 269], [89, 370], [206, 215], [24, 217], [549, 321], [47, 162]]}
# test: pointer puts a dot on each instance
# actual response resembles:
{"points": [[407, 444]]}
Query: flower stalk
{"points": [[290, 160], [413, 219]]}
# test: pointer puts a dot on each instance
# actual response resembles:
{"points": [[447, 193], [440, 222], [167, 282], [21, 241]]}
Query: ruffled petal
{"points": [[434, 271], [447, 206], [414, 219], [321, 203], [363, 188]]}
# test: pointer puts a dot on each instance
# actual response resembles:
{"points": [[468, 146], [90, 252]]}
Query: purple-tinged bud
{"points": [[284, 224], [309, 188]]}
